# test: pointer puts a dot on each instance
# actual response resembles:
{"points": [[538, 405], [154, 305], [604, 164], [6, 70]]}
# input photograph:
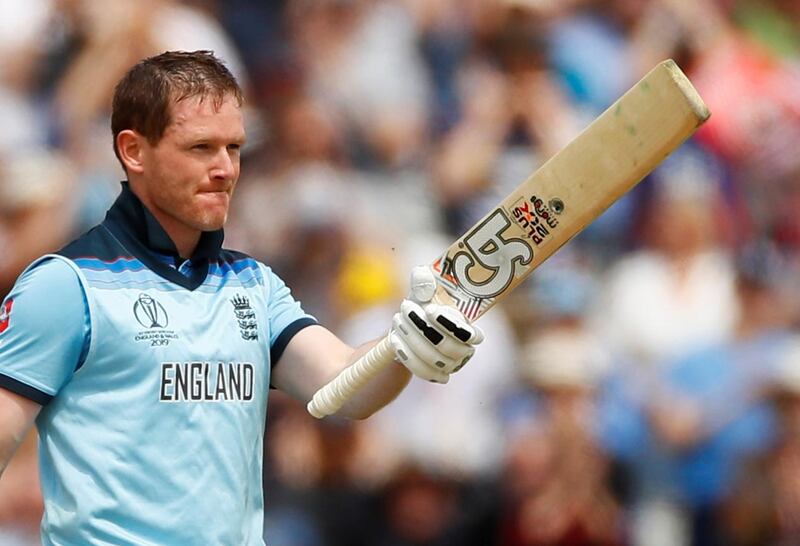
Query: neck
{"points": [[184, 237]]}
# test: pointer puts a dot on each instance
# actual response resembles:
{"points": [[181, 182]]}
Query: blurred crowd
{"points": [[643, 388]]}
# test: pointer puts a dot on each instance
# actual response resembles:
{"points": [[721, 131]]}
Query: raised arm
{"points": [[429, 340], [314, 356]]}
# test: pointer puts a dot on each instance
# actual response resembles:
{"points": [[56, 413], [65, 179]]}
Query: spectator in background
{"points": [[418, 510], [360, 59], [673, 294], [556, 478], [705, 412], [763, 507], [446, 30], [325, 479], [514, 115], [677, 290], [37, 209], [21, 29], [107, 38], [424, 509]]}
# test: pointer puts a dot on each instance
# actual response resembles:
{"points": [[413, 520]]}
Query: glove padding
{"points": [[431, 340]]}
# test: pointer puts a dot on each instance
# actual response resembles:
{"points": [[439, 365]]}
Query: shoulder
{"points": [[52, 274], [50, 287], [47, 293]]}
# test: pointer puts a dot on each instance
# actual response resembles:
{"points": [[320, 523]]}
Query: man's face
{"points": [[189, 176]]}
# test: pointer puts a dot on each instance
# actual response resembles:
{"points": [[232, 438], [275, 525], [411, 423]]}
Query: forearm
{"points": [[379, 391], [315, 356]]}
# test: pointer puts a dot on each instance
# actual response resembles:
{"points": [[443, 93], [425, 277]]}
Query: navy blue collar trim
{"points": [[141, 234]]}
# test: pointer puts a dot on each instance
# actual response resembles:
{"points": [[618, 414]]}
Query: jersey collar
{"points": [[139, 231]]}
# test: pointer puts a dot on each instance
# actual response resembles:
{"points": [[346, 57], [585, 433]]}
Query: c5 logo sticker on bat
{"points": [[486, 248]]}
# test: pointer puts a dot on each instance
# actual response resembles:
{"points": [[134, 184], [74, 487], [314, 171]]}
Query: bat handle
{"points": [[330, 398]]}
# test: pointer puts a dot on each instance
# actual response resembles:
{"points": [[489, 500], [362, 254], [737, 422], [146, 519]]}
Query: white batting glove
{"points": [[431, 340]]}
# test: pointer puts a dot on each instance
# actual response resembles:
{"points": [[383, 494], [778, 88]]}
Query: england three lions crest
{"points": [[246, 317]]}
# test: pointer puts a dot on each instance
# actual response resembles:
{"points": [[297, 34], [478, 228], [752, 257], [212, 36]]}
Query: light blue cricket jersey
{"points": [[153, 376]]}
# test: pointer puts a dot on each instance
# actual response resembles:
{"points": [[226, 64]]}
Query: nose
{"points": [[225, 165]]}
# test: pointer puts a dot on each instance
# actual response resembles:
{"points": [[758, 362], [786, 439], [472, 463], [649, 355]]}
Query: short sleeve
{"points": [[44, 331], [286, 316]]}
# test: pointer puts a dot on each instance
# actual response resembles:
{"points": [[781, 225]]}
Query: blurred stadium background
{"points": [[642, 389]]}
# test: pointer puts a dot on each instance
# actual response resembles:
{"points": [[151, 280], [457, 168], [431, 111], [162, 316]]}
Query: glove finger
{"points": [[423, 284], [479, 335], [426, 341], [452, 322], [453, 348], [416, 319], [464, 361], [430, 354], [414, 364]]}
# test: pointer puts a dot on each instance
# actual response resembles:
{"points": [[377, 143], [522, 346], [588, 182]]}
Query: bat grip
{"points": [[330, 398]]}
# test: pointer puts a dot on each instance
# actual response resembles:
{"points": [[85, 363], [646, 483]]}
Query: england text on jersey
{"points": [[206, 382]]}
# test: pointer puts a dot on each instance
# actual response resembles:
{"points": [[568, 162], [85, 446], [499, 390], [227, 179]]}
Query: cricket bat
{"points": [[548, 209]]}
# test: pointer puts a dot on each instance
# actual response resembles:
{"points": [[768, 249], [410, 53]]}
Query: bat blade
{"points": [[570, 190], [607, 159]]}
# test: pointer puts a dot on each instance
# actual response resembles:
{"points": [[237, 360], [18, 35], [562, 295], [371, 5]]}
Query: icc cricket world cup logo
{"points": [[150, 313]]}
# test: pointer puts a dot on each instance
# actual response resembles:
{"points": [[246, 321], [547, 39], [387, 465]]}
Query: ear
{"points": [[130, 146]]}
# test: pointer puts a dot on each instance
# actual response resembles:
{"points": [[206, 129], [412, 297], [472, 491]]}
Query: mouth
{"points": [[216, 196], [215, 192]]}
